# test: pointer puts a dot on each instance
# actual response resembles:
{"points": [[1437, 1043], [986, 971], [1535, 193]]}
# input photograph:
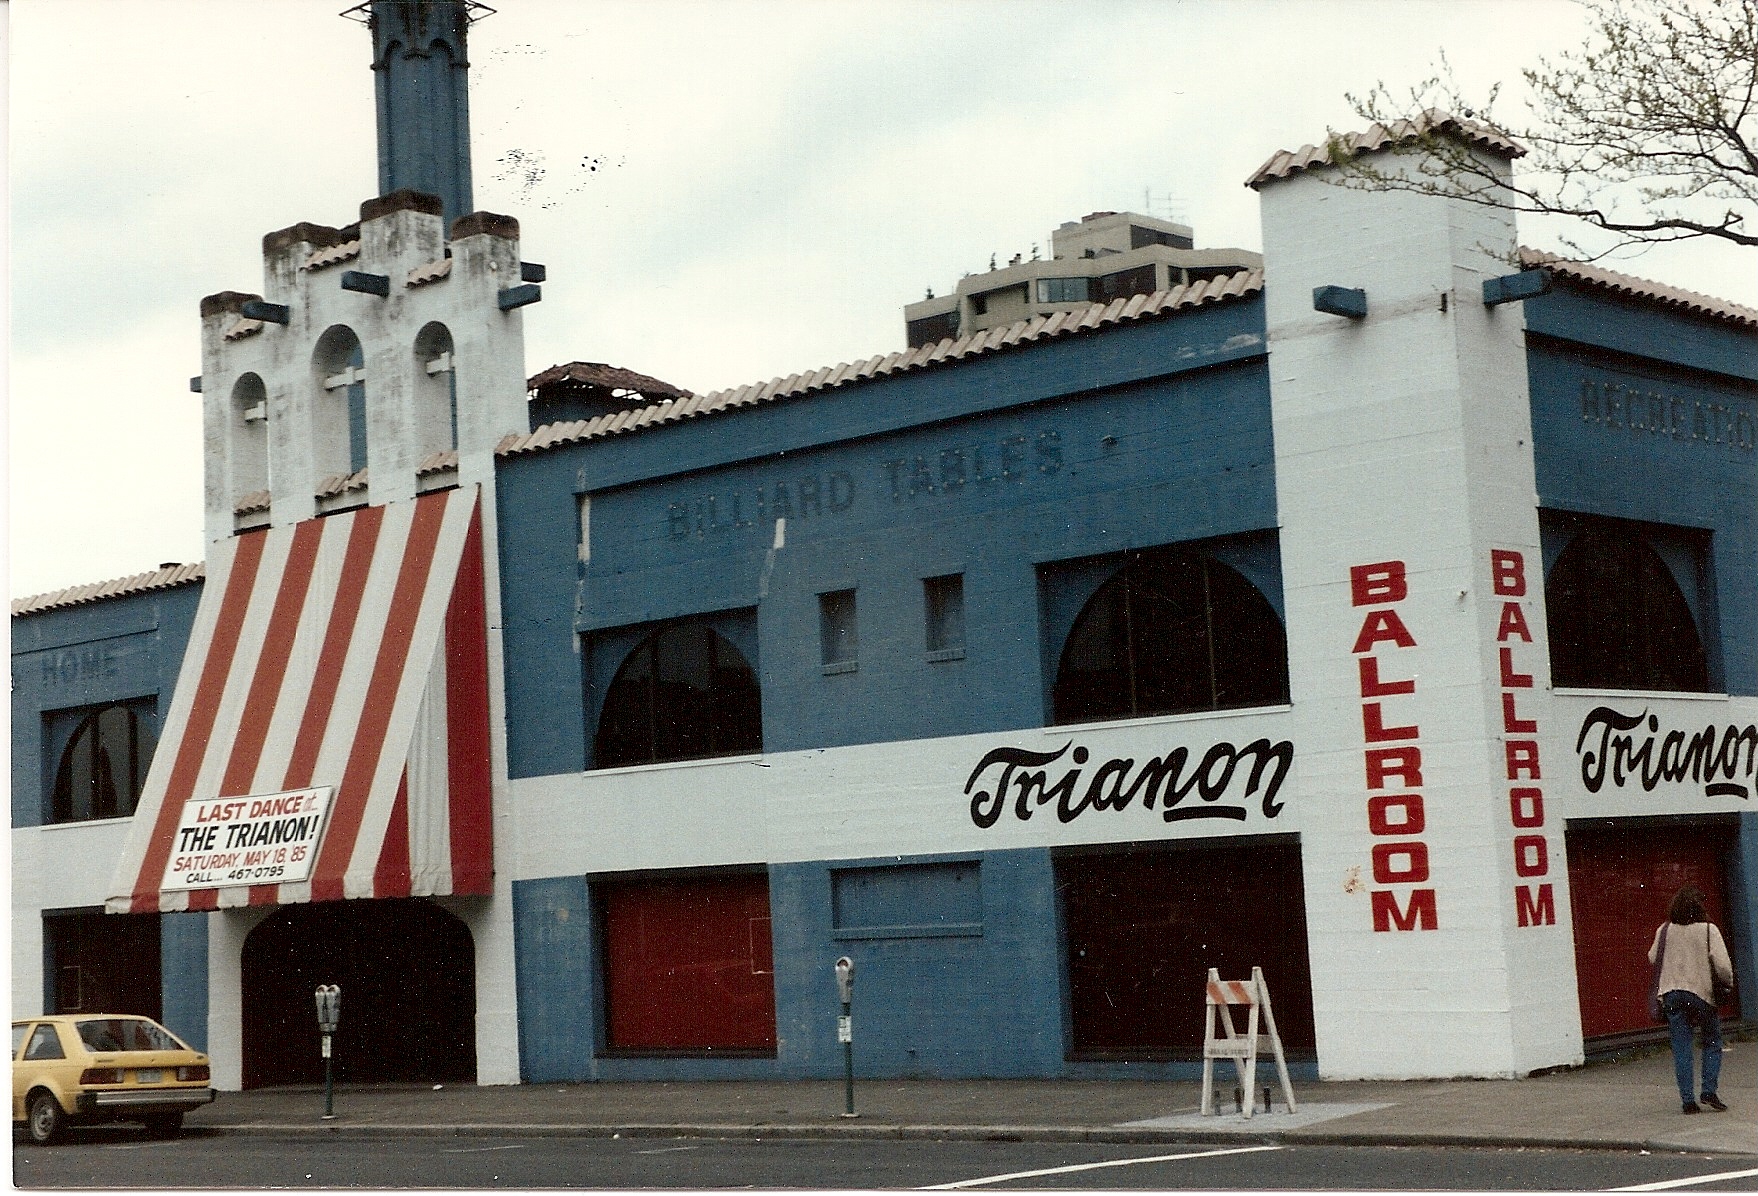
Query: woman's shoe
{"points": [[1714, 1102], [1690, 1106]]}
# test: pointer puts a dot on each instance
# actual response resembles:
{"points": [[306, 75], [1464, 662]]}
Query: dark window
{"points": [[684, 693], [931, 330], [1205, 273], [125, 1034], [838, 637], [1617, 617], [1137, 281], [45, 1043], [1139, 236], [1143, 927], [1172, 632], [95, 962], [104, 765], [943, 598], [1062, 290]]}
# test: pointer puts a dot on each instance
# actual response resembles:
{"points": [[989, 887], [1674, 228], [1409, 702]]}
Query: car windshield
{"points": [[18, 1030], [125, 1034]]}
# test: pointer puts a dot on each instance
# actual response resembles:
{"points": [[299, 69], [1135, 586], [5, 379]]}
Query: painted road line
{"points": [[1159, 1158], [1664, 1184]]}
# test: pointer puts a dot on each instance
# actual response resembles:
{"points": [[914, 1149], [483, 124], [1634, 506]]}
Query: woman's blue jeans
{"points": [[1684, 1013]]}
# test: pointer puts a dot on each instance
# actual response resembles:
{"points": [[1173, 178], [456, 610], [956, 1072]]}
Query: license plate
{"points": [[149, 1075]]}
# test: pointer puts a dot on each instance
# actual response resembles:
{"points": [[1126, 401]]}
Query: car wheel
{"points": [[46, 1119], [164, 1125]]}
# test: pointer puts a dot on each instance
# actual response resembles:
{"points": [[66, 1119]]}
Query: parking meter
{"points": [[329, 1014], [845, 1030], [329, 1007], [845, 979]]}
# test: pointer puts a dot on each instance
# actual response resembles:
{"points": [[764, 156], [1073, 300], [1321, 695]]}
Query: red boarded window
{"points": [[1622, 878], [689, 965]]}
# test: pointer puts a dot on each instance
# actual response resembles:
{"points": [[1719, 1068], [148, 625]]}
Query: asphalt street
{"points": [[112, 1158]]}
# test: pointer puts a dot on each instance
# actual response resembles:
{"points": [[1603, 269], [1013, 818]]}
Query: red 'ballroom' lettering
{"points": [[1397, 818], [1534, 904]]}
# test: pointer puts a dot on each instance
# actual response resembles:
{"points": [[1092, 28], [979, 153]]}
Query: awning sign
{"points": [[269, 839]]}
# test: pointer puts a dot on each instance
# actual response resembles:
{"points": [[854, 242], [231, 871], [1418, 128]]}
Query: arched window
{"points": [[250, 436], [436, 390], [339, 421], [1617, 618], [684, 693], [1172, 632], [104, 765]]}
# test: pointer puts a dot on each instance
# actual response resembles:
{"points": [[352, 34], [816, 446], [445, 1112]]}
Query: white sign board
{"points": [[269, 839]]}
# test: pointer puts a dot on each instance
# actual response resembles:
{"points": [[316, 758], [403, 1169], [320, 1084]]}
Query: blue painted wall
{"points": [[183, 976], [1644, 330], [1145, 435], [932, 997], [958, 972], [89, 655], [1742, 914], [556, 972], [1644, 439], [948, 996]]}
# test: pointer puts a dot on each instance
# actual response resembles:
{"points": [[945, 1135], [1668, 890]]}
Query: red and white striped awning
{"points": [[349, 652]]}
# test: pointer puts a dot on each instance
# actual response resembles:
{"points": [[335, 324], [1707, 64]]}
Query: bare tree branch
{"points": [[1649, 131]]}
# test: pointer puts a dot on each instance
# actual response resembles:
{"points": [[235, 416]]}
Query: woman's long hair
{"points": [[1687, 906]]}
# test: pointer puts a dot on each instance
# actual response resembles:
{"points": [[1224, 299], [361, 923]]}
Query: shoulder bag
{"points": [[1726, 992], [1656, 1012]]}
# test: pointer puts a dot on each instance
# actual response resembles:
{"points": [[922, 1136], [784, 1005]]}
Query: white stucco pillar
{"points": [[1437, 903]]}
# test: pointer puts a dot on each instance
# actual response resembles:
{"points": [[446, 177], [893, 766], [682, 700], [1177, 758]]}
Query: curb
{"points": [[948, 1133]]}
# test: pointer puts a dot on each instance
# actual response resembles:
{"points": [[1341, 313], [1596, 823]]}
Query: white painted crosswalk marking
{"points": [[1160, 1158], [1689, 1180]]}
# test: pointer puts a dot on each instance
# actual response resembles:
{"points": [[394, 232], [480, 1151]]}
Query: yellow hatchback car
{"points": [[79, 1067]]}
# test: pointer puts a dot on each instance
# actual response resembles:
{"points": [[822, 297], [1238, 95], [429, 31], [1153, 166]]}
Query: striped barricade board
{"points": [[1241, 1048]]}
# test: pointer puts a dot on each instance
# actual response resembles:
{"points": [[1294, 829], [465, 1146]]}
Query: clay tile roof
{"points": [[1241, 285], [242, 328], [330, 255], [1598, 278], [604, 377], [163, 578], [431, 272], [1377, 137], [341, 483], [437, 462], [250, 504]]}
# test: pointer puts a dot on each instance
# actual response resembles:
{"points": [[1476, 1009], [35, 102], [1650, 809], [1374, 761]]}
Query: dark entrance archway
{"points": [[408, 975]]}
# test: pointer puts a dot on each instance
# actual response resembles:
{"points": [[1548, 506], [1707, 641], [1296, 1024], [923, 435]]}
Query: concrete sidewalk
{"points": [[1630, 1104]]}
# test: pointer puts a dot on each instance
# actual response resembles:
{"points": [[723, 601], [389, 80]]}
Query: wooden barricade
{"points": [[1241, 1048]]}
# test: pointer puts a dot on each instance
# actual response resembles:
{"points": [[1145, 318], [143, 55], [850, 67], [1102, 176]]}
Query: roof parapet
{"points": [[1375, 138]]}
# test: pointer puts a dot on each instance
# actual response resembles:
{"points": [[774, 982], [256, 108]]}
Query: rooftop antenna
{"points": [[1166, 205], [421, 66]]}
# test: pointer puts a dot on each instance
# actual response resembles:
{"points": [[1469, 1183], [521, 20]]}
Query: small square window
{"points": [[943, 599], [837, 637]]}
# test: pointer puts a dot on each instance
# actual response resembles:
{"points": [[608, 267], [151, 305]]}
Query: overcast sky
{"points": [[722, 191]]}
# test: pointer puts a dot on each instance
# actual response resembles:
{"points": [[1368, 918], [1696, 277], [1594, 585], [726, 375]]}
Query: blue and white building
{"points": [[1385, 616]]}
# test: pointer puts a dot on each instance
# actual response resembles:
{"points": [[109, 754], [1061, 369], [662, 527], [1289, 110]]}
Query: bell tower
{"points": [[385, 358], [352, 404]]}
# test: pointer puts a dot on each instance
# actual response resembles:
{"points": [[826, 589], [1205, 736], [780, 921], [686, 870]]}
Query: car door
{"points": [[45, 1062], [20, 1030]]}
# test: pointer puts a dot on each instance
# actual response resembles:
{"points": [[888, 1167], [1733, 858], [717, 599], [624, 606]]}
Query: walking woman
{"points": [[1688, 954]]}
